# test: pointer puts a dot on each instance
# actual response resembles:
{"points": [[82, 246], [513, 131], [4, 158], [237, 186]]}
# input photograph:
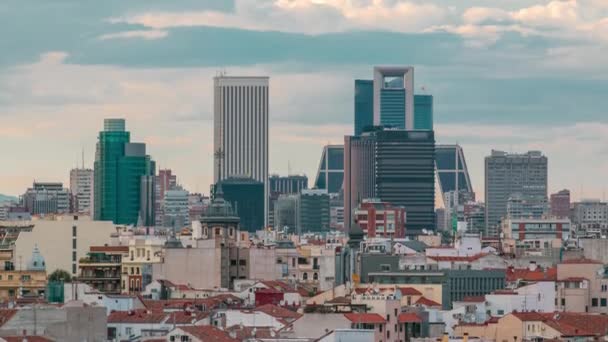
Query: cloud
{"points": [[301, 16], [144, 34]]}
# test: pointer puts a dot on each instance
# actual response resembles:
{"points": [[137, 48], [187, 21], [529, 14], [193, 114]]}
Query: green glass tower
{"points": [[119, 168]]}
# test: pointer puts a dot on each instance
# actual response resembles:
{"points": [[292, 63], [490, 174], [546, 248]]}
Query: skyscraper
{"points": [[330, 175], [389, 100], [395, 166], [452, 171], [312, 211], [241, 130], [246, 195], [81, 189], [291, 184], [507, 174], [119, 167]]}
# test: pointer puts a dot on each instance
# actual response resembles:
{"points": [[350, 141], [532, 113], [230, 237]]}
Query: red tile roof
{"points": [[409, 317], [172, 304], [525, 274], [278, 285], [470, 258], [569, 323], [409, 291], [581, 261], [137, 317], [185, 317], [115, 249], [208, 333], [278, 312], [372, 318], [427, 302], [473, 299]]}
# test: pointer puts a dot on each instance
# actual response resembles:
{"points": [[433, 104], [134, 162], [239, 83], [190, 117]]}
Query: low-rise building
{"points": [[102, 268], [30, 281], [380, 219]]}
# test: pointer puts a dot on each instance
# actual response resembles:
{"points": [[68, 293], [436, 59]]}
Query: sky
{"points": [[515, 75]]}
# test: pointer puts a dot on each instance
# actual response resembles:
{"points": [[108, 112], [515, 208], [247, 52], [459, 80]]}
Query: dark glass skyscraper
{"points": [[119, 167], [423, 112], [396, 166], [246, 196], [452, 169], [364, 105], [330, 175]]}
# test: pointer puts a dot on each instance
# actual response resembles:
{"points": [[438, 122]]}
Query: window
{"points": [[137, 270], [74, 231], [73, 243], [604, 288], [388, 334], [74, 256], [243, 262], [594, 302], [395, 312], [603, 302], [10, 277], [388, 317], [385, 267], [380, 327], [148, 256], [233, 262], [26, 277], [315, 276], [185, 338], [500, 312], [128, 331], [563, 301], [305, 276]]}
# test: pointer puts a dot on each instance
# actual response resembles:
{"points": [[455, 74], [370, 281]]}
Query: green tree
{"points": [[60, 275]]}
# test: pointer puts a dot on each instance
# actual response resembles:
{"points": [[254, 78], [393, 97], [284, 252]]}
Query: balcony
{"points": [[99, 276]]}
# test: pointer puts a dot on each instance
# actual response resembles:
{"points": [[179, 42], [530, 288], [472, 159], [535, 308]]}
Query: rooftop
{"points": [[372, 318], [208, 333]]}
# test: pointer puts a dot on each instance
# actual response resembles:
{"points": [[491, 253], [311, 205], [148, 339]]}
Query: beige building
{"points": [[137, 266], [28, 281], [582, 286], [63, 240]]}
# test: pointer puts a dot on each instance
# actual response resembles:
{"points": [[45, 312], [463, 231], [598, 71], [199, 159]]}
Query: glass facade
{"points": [[119, 166], [364, 105], [446, 159], [392, 107], [246, 196], [423, 112], [330, 175], [312, 211]]}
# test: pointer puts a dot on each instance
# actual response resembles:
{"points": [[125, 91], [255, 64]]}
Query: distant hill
{"points": [[6, 198]]}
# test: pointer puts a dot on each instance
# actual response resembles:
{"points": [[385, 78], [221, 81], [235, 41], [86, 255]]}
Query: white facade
{"points": [[380, 72], [251, 319], [534, 297], [240, 138], [81, 188]]}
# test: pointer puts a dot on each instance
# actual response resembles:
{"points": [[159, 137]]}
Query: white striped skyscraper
{"points": [[240, 138]]}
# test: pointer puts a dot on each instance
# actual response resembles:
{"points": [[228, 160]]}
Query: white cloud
{"points": [[304, 16], [479, 15], [144, 34]]}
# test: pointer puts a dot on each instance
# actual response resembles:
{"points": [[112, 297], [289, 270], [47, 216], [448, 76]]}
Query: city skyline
{"points": [[527, 102]]}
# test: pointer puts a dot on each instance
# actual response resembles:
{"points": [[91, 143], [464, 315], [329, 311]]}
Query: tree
{"points": [[60, 275]]}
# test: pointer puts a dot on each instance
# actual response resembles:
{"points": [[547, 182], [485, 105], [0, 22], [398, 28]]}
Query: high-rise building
{"points": [[119, 167], [312, 211], [527, 207], [81, 189], [364, 105], [147, 200], [396, 166], [285, 212], [380, 219], [165, 180], [452, 171], [241, 130], [389, 100], [330, 175], [47, 198], [560, 204], [507, 174], [246, 196], [291, 184]]}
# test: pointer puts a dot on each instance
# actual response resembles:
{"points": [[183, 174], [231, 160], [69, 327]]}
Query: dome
{"points": [[219, 209], [36, 263]]}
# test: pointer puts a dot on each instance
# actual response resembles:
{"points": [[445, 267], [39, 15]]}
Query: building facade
{"points": [[81, 189], [292, 184], [119, 167], [507, 174], [176, 213], [312, 211], [527, 207], [241, 130], [560, 204], [45, 198], [330, 175], [590, 218], [102, 268], [380, 219], [246, 197], [452, 171]]}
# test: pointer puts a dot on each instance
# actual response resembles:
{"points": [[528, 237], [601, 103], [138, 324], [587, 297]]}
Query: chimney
{"points": [[446, 337], [465, 337]]}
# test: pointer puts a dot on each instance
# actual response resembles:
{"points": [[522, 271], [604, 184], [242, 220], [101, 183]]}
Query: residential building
{"points": [[507, 174], [560, 204], [395, 166], [380, 219], [28, 282], [137, 266], [241, 130], [102, 268], [590, 218], [176, 212], [119, 167], [246, 196], [582, 286], [291, 184], [45, 198], [312, 211], [330, 175], [81, 189], [541, 236]]}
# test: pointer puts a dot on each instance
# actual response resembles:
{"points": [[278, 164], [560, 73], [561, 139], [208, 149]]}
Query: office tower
{"points": [[395, 166], [389, 100], [452, 171], [381, 219], [507, 174], [81, 189], [312, 211], [364, 105], [560, 204], [527, 207], [330, 175], [176, 213], [292, 184], [147, 200], [285, 212], [119, 167], [246, 196], [165, 180], [241, 130], [47, 198]]}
